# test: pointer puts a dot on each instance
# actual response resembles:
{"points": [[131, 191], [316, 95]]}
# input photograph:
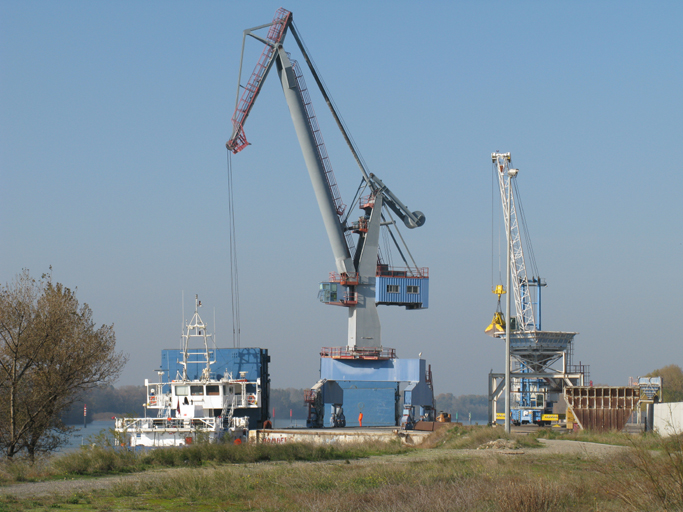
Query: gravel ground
{"points": [[550, 447], [70, 486]]}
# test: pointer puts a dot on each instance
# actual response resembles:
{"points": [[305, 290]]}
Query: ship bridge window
{"points": [[229, 390], [539, 400], [182, 390], [212, 390], [197, 390]]}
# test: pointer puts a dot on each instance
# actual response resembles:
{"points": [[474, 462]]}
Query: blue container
{"points": [[411, 292]]}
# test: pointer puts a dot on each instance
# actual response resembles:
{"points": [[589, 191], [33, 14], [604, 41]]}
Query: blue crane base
{"points": [[373, 388]]}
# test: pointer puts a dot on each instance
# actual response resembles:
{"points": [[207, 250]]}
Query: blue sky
{"points": [[114, 116]]}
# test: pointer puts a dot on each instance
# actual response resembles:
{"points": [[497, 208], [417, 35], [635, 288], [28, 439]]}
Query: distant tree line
{"points": [[463, 405], [672, 382], [286, 400], [106, 401]]}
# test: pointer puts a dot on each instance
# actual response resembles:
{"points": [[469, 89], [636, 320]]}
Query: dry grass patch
{"points": [[461, 437], [653, 479], [22, 470], [491, 483]]}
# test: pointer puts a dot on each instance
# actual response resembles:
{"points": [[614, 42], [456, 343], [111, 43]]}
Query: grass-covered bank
{"points": [[99, 461], [102, 457], [442, 476], [486, 483]]}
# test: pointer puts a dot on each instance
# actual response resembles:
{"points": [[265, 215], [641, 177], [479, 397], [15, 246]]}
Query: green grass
{"points": [[647, 476], [402, 484], [96, 461]]}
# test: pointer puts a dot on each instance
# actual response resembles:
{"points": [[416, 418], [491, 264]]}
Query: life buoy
{"points": [[251, 399], [152, 400]]}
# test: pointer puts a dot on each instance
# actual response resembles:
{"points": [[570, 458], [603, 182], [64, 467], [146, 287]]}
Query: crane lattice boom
{"points": [[520, 282], [276, 33]]}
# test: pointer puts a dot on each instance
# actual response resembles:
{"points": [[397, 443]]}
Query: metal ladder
{"points": [[339, 205], [275, 34]]}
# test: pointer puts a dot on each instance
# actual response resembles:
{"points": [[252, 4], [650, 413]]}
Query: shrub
{"points": [[97, 461], [658, 479]]}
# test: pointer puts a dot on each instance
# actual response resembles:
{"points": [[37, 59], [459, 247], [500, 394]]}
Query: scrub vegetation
{"points": [[99, 460], [450, 472]]}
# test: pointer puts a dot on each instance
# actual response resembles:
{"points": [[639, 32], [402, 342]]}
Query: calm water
{"points": [[80, 435]]}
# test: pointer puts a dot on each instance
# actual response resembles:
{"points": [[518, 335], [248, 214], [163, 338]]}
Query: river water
{"points": [[80, 435]]}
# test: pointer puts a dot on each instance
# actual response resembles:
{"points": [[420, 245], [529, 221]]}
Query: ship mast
{"points": [[196, 329]]}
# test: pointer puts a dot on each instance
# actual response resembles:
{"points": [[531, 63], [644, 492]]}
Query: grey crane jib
{"points": [[358, 270]]}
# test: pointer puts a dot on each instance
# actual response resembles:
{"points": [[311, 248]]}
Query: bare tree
{"points": [[50, 352]]}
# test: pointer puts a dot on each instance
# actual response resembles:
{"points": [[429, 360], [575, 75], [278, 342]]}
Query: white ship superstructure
{"points": [[192, 410]]}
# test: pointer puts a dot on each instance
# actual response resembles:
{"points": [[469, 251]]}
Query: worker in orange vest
{"points": [[360, 419]]}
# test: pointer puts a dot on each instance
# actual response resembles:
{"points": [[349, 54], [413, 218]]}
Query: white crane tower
{"points": [[542, 358]]}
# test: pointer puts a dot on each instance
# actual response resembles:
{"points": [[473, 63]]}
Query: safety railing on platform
{"points": [[416, 272], [344, 279], [350, 299], [367, 201], [580, 368], [358, 353]]}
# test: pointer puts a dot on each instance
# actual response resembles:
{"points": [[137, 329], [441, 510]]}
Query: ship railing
{"points": [[138, 424]]}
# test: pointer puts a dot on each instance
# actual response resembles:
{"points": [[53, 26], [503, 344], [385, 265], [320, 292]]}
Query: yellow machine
{"points": [[498, 323]]}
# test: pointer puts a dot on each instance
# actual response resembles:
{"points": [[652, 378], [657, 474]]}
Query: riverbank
{"points": [[463, 469]]}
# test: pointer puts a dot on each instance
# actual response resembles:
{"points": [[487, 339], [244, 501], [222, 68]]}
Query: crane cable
{"points": [[527, 237], [497, 325], [362, 164], [494, 201], [234, 280]]}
